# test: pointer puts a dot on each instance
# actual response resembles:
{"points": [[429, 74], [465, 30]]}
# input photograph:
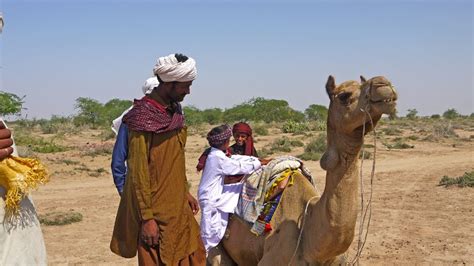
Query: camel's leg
{"points": [[217, 256]]}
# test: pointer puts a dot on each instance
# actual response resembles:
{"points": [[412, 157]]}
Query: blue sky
{"points": [[56, 51]]}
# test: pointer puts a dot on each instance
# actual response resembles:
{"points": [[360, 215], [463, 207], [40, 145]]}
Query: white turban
{"points": [[149, 85], [169, 69]]}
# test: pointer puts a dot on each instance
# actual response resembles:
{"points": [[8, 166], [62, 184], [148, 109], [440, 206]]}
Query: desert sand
{"points": [[414, 221]]}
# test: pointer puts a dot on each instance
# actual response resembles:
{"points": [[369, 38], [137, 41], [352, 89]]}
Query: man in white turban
{"points": [[156, 212]]}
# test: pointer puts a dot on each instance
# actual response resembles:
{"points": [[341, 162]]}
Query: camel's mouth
{"points": [[384, 100]]}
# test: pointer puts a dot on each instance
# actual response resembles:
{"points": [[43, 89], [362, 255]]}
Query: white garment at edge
{"points": [[216, 199], [21, 243]]}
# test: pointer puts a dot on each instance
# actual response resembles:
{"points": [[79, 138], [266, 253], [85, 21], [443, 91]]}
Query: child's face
{"points": [[240, 138]]}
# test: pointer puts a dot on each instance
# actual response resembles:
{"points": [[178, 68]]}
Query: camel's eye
{"points": [[344, 97]]}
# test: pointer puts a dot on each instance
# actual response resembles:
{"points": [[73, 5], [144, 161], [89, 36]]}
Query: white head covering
{"points": [[169, 69], [149, 85]]}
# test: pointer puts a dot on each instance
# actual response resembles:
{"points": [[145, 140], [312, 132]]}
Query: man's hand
{"points": [[193, 203], [6, 142], [150, 233]]}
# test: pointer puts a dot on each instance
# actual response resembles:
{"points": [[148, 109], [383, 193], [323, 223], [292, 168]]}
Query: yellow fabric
{"points": [[19, 176], [288, 173]]}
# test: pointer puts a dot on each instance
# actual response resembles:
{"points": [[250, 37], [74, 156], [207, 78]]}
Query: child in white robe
{"points": [[216, 199]]}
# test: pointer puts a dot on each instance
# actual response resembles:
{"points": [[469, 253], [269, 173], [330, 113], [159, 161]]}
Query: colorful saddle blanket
{"points": [[259, 198]]}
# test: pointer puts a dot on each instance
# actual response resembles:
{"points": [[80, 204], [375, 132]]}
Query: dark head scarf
{"points": [[244, 128]]}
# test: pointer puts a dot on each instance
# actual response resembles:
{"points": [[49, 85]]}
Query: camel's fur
{"points": [[330, 220]]}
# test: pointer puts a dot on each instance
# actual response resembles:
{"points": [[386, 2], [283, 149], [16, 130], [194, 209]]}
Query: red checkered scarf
{"points": [[149, 116]]}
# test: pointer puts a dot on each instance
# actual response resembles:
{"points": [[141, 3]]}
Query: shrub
{"points": [[466, 180], [399, 144], [435, 116], [261, 109], [295, 127], [450, 114], [193, 116], [261, 130], [412, 113], [95, 114], [316, 112], [317, 145], [212, 116], [391, 131], [60, 218], [38, 144], [315, 148], [443, 130], [282, 144], [319, 126]]}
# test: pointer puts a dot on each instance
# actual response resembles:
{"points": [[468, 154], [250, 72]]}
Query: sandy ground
{"points": [[414, 221]]}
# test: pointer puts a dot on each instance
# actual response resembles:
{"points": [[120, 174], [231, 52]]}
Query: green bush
{"points": [[10, 104], [281, 145], [391, 131], [295, 127], [212, 116], [412, 114], [399, 144], [317, 145], [315, 148], [450, 114], [261, 109], [316, 112], [94, 114], [261, 130], [60, 218], [193, 116], [466, 180], [443, 130], [38, 144]]}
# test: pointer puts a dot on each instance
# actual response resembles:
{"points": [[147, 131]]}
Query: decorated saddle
{"points": [[263, 188]]}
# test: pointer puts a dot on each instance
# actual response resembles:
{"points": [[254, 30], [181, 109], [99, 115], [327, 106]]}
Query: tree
{"points": [[450, 114], [212, 116], [113, 109], [192, 115], [316, 112], [89, 111], [92, 112], [10, 104], [412, 113]]}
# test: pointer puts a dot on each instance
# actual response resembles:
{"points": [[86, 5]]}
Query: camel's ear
{"points": [[330, 86], [362, 79]]}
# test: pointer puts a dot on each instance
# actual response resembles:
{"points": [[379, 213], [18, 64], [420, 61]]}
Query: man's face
{"points": [[179, 90], [240, 138]]}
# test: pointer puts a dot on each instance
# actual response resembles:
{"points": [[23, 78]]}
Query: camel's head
{"points": [[352, 102]]}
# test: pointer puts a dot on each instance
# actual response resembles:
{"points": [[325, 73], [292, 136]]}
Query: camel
{"points": [[329, 222]]}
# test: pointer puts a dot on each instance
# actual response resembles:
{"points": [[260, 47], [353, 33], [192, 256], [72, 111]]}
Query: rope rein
{"points": [[368, 208]]}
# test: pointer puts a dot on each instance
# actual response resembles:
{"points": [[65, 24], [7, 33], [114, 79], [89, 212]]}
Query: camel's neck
{"points": [[331, 221]]}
